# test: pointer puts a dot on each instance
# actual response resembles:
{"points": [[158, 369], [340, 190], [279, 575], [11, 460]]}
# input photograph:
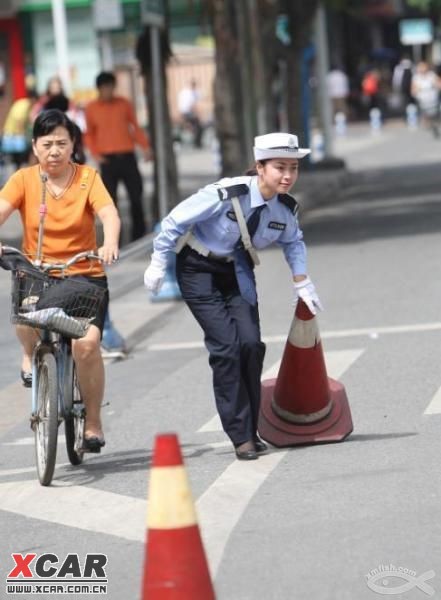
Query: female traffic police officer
{"points": [[211, 233]]}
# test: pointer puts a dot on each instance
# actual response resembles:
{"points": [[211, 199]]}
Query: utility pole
{"points": [[325, 109], [61, 43]]}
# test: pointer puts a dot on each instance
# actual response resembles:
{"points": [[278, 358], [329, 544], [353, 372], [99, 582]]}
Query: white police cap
{"points": [[278, 145]]}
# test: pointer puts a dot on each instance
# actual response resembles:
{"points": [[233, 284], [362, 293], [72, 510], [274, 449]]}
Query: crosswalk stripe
{"points": [[229, 496], [231, 492], [337, 362], [76, 506], [124, 516], [434, 407]]}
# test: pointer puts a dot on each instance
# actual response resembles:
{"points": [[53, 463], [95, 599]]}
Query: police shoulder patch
{"points": [[232, 191], [290, 202]]}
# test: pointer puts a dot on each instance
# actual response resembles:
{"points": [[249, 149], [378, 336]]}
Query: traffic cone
{"points": [[303, 405], [175, 566]]}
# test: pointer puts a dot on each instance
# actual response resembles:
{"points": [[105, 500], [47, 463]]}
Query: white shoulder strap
{"points": [[244, 234]]}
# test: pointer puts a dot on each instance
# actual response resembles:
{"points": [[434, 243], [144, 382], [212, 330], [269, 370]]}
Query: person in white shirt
{"points": [[426, 87], [338, 89], [188, 100]]}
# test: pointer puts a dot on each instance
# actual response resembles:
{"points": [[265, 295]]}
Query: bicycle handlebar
{"points": [[89, 254]]}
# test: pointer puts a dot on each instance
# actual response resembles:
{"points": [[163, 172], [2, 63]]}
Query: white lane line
{"points": [[337, 362], [332, 334], [220, 508], [77, 506], [231, 492], [434, 407]]}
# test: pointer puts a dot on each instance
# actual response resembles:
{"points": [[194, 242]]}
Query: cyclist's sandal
{"points": [[26, 378], [93, 444]]}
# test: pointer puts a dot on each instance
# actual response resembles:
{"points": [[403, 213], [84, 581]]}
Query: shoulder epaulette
{"points": [[290, 202], [232, 191]]}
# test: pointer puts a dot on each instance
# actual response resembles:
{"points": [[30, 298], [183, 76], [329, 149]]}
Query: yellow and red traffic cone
{"points": [[175, 566]]}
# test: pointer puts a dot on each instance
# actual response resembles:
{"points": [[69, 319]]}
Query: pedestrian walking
{"points": [[75, 195], [188, 101], [338, 90], [215, 233], [17, 130], [112, 134], [426, 87], [402, 80]]}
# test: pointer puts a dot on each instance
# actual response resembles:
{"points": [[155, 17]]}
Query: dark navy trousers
{"points": [[232, 337]]}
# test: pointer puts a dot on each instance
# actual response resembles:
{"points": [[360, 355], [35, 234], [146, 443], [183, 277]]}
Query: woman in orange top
{"points": [[75, 194]]}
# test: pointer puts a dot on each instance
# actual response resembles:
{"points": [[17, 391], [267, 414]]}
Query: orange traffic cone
{"points": [[303, 405], [175, 566]]}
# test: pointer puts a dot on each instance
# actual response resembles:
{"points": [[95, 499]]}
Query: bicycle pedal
{"points": [[91, 450]]}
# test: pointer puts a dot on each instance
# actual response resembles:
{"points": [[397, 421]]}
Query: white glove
{"points": [[155, 273], [306, 291]]}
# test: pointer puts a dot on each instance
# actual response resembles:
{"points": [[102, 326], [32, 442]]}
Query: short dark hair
{"points": [[105, 78], [48, 120], [59, 101]]}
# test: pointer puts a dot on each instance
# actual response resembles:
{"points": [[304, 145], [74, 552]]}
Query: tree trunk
{"points": [[143, 54], [227, 85], [265, 48]]}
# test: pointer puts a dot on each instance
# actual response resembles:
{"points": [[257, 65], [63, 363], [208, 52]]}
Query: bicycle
{"points": [[62, 308]]}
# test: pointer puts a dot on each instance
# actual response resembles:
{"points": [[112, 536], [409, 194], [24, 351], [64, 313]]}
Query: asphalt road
{"points": [[316, 522]]}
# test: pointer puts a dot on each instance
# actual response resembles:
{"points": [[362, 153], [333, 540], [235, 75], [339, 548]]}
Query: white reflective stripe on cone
{"points": [[304, 334]]}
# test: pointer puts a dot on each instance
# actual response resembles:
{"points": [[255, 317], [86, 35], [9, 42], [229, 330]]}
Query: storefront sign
{"points": [[416, 31], [107, 14]]}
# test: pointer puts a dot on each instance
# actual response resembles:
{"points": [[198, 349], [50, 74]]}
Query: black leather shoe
{"points": [[260, 445], [26, 378], [246, 451]]}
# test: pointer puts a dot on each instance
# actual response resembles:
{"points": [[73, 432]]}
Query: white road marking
{"points": [[230, 494], [434, 407], [125, 517], [337, 362], [372, 332], [76, 506]]}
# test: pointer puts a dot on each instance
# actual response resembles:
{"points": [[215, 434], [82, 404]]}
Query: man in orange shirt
{"points": [[112, 134]]}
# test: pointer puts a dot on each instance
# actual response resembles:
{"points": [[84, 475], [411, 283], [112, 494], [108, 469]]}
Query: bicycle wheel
{"points": [[46, 422], [74, 424]]}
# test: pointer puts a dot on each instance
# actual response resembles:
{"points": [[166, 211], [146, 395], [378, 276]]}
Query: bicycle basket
{"points": [[66, 306]]}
